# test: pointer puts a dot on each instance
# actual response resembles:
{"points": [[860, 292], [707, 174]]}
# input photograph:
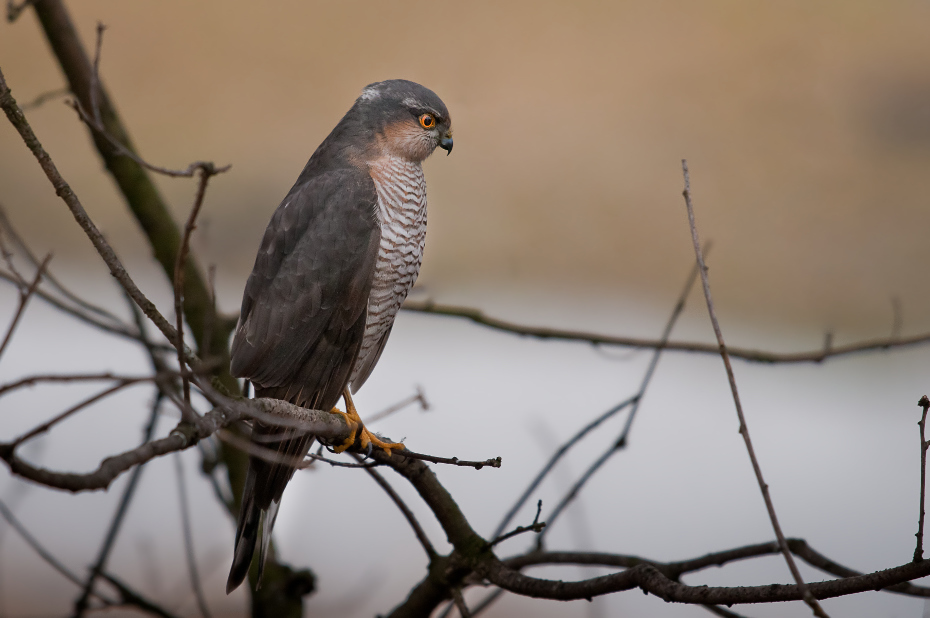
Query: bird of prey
{"points": [[337, 260]]}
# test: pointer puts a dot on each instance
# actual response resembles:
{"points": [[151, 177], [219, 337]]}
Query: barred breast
{"points": [[402, 214]]}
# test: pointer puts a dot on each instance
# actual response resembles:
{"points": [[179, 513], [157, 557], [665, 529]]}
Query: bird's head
{"points": [[407, 119]]}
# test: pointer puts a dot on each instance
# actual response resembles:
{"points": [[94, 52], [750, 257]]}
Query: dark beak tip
{"points": [[446, 144]]}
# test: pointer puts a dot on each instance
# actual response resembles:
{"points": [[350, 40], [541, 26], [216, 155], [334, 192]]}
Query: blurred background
{"points": [[807, 130]]}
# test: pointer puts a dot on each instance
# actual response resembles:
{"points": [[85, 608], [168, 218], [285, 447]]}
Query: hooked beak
{"points": [[446, 143]]}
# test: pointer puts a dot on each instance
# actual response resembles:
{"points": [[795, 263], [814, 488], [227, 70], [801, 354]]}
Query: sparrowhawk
{"points": [[337, 260]]}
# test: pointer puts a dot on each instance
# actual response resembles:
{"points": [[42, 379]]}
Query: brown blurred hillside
{"points": [[806, 125]]}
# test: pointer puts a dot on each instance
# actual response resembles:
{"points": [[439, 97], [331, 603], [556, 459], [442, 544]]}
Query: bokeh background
{"points": [[807, 129]]}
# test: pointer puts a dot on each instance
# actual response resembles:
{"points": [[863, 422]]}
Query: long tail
{"points": [[250, 518], [261, 496]]}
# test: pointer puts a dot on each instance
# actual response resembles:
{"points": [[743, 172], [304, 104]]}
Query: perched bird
{"points": [[336, 262]]}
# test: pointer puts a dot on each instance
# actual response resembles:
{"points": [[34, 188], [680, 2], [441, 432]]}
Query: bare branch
{"points": [[24, 297], [743, 427], [187, 172], [648, 578], [919, 550], [487, 601], [130, 597], [555, 459], [75, 377], [418, 396], [44, 98], [315, 457], [189, 538], [183, 436], [127, 595], [80, 605], [38, 548], [205, 172], [63, 190], [119, 329], [452, 461], [460, 603], [537, 527], [7, 226], [598, 339], [404, 509], [13, 10], [73, 409], [621, 441]]}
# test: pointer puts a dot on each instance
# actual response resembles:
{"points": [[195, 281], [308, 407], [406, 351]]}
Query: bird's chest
{"points": [[402, 215]]}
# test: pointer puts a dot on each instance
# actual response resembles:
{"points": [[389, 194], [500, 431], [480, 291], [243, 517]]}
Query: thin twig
{"points": [[128, 596], [13, 10], [40, 549], [418, 396], [119, 515], [452, 461], [76, 377], [187, 172], [537, 526], [64, 191], [24, 297], [95, 122], [45, 97], [555, 459], [75, 408], [205, 172], [320, 423], [314, 457], [189, 538], [120, 330], [95, 76], [748, 354], [404, 509], [460, 603], [30, 256], [621, 441], [487, 601], [925, 404], [743, 427], [131, 597]]}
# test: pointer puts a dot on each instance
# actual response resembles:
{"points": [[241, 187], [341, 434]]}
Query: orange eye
{"points": [[427, 121]]}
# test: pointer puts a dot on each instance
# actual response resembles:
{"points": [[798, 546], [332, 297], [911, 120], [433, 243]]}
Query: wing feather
{"points": [[305, 303]]}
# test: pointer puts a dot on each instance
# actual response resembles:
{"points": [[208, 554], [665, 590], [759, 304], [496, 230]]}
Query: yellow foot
{"points": [[354, 421], [353, 425]]}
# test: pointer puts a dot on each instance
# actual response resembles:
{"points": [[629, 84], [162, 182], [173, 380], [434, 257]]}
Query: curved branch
{"points": [[183, 436], [748, 354], [650, 579]]}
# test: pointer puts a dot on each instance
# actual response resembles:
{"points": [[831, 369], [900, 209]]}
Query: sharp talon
{"points": [[366, 438]]}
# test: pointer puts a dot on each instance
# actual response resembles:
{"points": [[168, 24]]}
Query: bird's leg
{"points": [[367, 438]]}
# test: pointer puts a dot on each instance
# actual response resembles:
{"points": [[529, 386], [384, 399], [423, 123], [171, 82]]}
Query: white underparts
{"points": [[401, 213]]}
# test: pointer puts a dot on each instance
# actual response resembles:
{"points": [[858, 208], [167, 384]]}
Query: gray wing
{"points": [[305, 303]]}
